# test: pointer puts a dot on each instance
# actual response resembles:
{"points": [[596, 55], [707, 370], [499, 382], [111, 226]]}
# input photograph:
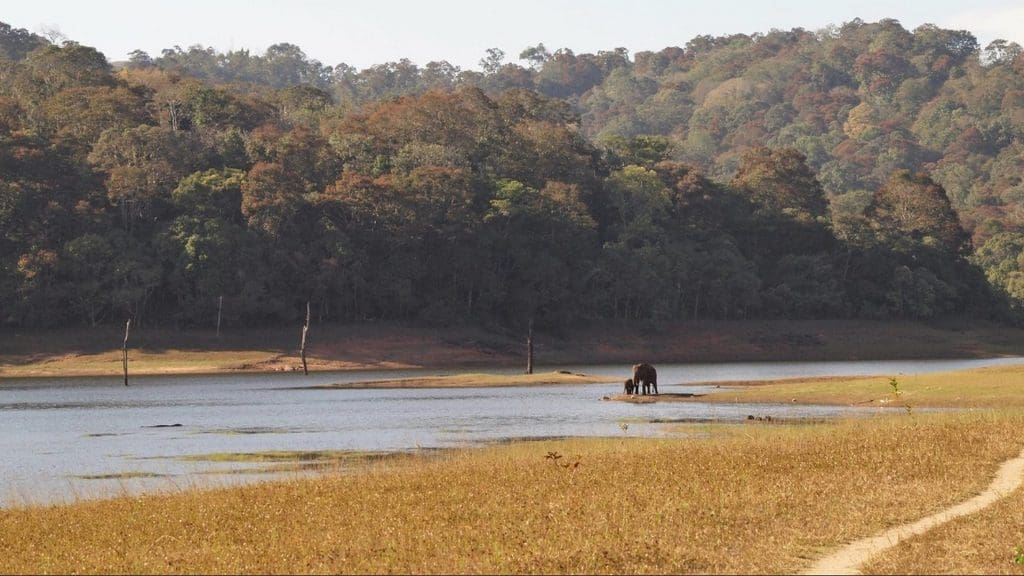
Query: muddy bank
{"points": [[652, 398]]}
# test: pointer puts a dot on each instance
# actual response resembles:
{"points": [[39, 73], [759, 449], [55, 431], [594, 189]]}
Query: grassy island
{"points": [[476, 380], [990, 387]]}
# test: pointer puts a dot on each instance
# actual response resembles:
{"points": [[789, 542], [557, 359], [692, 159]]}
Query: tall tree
{"points": [[914, 208], [780, 182]]}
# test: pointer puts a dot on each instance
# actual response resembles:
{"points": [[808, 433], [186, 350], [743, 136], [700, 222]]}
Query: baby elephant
{"points": [[630, 388], [645, 378]]}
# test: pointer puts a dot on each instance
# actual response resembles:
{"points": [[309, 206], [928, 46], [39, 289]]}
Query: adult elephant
{"points": [[645, 378]]}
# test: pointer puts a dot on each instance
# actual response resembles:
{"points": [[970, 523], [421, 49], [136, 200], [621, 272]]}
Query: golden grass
{"points": [[477, 380], [752, 498], [988, 542], [992, 387], [141, 362]]}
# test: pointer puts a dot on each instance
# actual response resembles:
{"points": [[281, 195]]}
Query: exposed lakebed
{"points": [[65, 438]]}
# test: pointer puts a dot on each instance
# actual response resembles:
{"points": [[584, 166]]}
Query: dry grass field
{"points": [[729, 498], [992, 387], [141, 362], [989, 542]]}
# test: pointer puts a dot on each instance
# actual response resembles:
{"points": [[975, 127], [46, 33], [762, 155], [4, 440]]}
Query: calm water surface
{"points": [[54, 432]]}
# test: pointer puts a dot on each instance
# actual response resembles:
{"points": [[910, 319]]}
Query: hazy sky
{"points": [[459, 31]]}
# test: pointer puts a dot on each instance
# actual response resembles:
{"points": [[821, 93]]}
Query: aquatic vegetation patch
{"points": [[251, 430], [285, 456], [120, 475], [332, 466], [281, 461]]}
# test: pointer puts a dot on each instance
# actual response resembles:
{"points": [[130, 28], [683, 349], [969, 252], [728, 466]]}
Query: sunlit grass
{"points": [[751, 498], [996, 386], [988, 542], [140, 362]]}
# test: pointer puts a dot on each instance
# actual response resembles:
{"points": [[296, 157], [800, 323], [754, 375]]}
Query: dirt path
{"points": [[847, 560]]}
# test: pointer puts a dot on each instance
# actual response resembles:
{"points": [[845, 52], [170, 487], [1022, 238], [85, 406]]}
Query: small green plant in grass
{"points": [[895, 388], [1018, 555], [895, 385]]}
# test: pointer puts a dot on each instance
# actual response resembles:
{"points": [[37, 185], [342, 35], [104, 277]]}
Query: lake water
{"points": [[56, 432]]}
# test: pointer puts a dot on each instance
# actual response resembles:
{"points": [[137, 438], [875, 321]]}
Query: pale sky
{"points": [[362, 34]]}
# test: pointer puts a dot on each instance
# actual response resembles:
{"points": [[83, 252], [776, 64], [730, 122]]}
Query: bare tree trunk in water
{"points": [[124, 350], [529, 349], [220, 307], [302, 350]]}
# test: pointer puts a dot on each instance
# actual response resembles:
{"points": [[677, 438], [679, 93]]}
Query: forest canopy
{"points": [[862, 170]]}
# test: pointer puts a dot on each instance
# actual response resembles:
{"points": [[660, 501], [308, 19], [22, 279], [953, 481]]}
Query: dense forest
{"points": [[857, 171]]}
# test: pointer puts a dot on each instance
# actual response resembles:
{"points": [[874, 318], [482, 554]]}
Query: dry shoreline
{"points": [[382, 346]]}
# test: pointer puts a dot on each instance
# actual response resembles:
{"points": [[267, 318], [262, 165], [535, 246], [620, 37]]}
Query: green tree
{"points": [[271, 199], [535, 55], [779, 182], [87, 261], [1002, 259], [540, 241], [491, 63], [55, 68], [142, 166], [210, 194], [640, 151], [16, 43], [912, 209]]}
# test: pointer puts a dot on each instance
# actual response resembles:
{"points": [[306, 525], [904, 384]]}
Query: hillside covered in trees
{"points": [[859, 171]]}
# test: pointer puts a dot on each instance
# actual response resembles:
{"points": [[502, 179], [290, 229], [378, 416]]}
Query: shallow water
{"points": [[56, 432]]}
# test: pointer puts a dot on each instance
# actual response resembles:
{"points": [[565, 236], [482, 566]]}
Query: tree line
{"points": [[168, 188]]}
